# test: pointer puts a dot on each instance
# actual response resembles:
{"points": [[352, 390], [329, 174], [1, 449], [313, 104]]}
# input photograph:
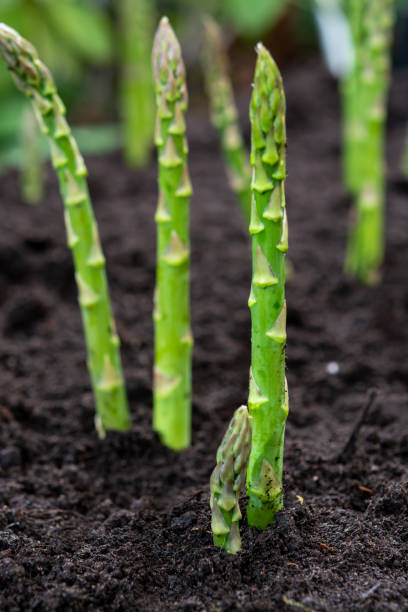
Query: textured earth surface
{"points": [[123, 523]]}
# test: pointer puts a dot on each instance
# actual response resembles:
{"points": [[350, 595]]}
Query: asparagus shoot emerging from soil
{"points": [[31, 178], [137, 96], [268, 398], [365, 248], [33, 78], [224, 114], [173, 338], [228, 479]]}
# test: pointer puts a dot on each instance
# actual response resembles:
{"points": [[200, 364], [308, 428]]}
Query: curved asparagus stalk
{"points": [[34, 80], [365, 250], [268, 399], [137, 99], [173, 338], [228, 479], [224, 114]]}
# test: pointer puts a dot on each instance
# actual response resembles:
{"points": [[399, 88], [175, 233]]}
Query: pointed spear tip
{"points": [[264, 56], [165, 32], [165, 45], [211, 27], [9, 36]]}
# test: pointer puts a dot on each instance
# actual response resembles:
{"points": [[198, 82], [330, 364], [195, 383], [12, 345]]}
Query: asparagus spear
{"points": [[137, 99], [268, 398], [173, 338], [227, 480], [224, 114], [365, 248], [33, 78]]}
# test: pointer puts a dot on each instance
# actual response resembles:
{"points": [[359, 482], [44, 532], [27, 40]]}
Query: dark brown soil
{"points": [[123, 523]]}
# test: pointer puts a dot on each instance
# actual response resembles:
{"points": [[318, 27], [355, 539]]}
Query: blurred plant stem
{"points": [[31, 177], [136, 22]]}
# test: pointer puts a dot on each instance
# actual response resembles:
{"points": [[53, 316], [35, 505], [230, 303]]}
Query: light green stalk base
{"points": [[365, 249], [224, 115], [365, 109], [173, 337], [35, 81], [228, 479], [31, 178], [268, 400], [136, 89]]}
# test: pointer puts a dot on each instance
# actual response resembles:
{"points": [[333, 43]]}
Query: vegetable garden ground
{"points": [[124, 523]]}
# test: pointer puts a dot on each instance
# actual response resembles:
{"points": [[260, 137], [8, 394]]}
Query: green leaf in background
{"points": [[253, 18], [84, 28]]}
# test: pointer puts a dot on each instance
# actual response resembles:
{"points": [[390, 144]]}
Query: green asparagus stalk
{"points": [[173, 337], [353, 130], [224, 114], [365, 250], [268, 398], [228, 479], [33, 78], [136, 91], [32, 184]]}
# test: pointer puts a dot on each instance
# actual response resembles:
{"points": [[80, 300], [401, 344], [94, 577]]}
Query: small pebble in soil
{"points": [[332, 368]]}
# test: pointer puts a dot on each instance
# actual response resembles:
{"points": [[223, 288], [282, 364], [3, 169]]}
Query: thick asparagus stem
{"points": [[224, 114], [228, 479], [136, 19], [173, 338], [365, 248], [32, 182], [34, 80], [268, 399]]}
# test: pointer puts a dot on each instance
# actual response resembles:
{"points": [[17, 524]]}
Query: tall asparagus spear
{"points": [[224, 114], [227, 480], [34, 80], [173, 338], [137, 97], [268, 398], [365, 248]]}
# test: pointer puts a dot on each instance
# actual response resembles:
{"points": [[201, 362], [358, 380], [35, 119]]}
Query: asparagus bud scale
{"points": [[227, 480], [268, 399], [34, 80], [173, 338]]}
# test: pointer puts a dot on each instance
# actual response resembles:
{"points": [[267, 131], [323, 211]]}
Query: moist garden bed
{"points": [[124, 523]]}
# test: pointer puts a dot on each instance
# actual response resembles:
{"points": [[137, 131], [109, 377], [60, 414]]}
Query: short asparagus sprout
{"points": [[136, 19], [373, 21], [33, 78], [224, 114], [173, 337], [268, 398], [228, 479]]}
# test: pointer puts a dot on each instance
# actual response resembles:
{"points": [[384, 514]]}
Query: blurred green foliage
{"points": [[252, 18], [69, 35]]}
